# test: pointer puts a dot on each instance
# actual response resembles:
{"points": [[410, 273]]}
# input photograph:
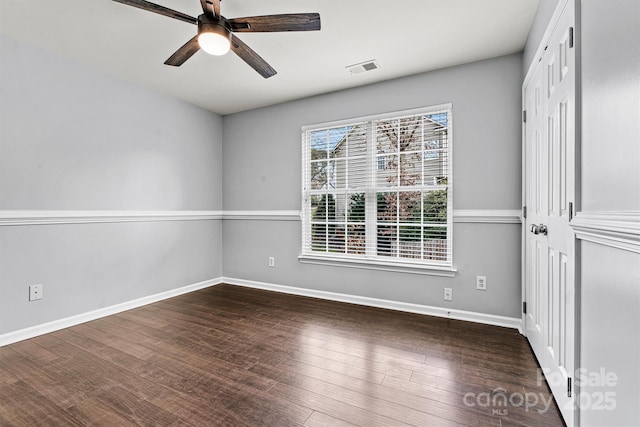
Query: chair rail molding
{"points": [[258, 215], [486, 216], [619, 230], [44, 217]]}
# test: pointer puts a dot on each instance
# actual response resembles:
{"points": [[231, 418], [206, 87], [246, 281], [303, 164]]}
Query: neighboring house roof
{"points": [[322, 141]]}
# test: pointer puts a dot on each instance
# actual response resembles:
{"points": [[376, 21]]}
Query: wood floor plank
{"points": [[34, 352], [198, 412], [318, 419], [93, 413], [383, 368], [359, 399], [23, 405], [59, 393], [339, 367], [97, 332], [243, 401], [7, 377], [340, 410], [234, 356], [133, 408]]}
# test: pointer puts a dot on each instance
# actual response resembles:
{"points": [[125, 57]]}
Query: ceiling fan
{"points": [[216, 34]]}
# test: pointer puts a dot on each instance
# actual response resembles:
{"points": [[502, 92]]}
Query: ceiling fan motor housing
{"points": [[217, 25]]}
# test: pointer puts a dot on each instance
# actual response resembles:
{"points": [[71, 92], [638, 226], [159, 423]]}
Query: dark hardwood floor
{"points": [[233, 356]]}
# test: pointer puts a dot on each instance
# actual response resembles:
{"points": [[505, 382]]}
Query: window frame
{"points": [[369, 260]]}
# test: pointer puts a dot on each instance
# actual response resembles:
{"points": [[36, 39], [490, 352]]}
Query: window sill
{"points": [[368, 264]]}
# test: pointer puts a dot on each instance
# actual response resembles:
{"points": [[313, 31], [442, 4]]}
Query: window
{"points": [[378, 190]]}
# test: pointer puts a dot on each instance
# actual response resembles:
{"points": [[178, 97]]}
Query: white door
{"points": [[549, 99]]}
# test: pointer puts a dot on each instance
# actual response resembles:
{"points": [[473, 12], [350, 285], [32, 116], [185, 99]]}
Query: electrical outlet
{"points": [[35, 292], [448, 294], [272, 261], [481, 283]]}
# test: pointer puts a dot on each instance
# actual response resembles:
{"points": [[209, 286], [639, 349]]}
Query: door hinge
{"points": [[524, 212], [524, 307], [524, 116], [570, 211], [569, 387], [570, 37]]}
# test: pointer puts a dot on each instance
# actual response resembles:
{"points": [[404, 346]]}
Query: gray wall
{"points": [[74, 139], [611, 105], [610, 288], [265, 146]]}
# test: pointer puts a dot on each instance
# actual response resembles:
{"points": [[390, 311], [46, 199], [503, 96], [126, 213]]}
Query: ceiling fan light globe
{"points": [[214, 43]]}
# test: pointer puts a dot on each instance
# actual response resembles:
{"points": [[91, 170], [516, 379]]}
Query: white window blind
{"points": [[379, 188]]}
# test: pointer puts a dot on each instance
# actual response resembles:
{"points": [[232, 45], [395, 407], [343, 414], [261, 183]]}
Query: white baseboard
{"points": [[56, 325], [488, 319]]}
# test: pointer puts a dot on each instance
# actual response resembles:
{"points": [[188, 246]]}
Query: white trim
{"points": [[619, 230], [262, 215], [44, 217], [382, 116], [396, 266], [56, 325], [488, 319], [40, 217], [502, 216]]}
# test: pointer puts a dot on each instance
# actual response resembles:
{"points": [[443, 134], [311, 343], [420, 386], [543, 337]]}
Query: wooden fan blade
{"points": [[211, 8], [269, 23], [185, 52], [156, 8], [250, 57]]}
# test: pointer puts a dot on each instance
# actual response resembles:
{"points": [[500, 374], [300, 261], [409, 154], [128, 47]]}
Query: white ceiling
{"points": [[405, 37]]}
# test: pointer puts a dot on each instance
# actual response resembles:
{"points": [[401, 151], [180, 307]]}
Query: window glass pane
{"points": [[341, 204], [318, 237], [387, 207], [431, 149], [356, 141], [319, 175], [433, 169], [323, 207], [435, 243], [410, 206], [319, 144], [410, 242], [435, 207], [316, 213], [410, 131], [357, 175], [387, 240], [336, 238], [339, 174], [336, 141], [356, 239], [386, 134], [387, 176], [357, 206], [410, 169]]}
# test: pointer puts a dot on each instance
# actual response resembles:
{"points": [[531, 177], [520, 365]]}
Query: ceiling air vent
{"points": [[363, 66]]}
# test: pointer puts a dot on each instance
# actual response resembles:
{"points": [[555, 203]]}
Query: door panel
{"points": [[549, 189]]}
